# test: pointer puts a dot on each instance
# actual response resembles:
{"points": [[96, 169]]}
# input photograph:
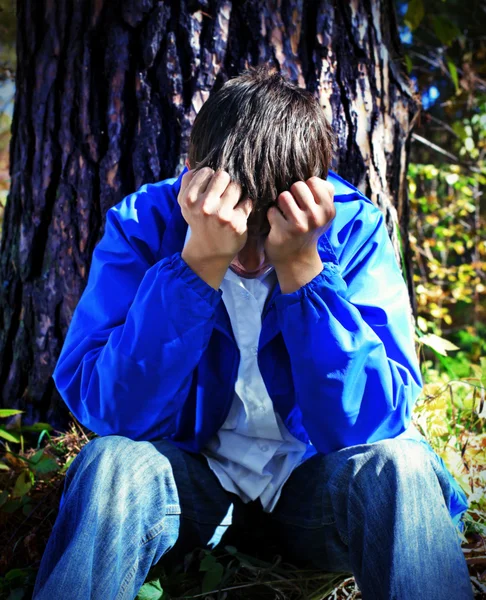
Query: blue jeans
{"points": [[378, 511]]}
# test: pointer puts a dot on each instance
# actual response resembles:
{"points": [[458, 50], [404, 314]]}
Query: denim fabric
{"points": [[376, 510]]}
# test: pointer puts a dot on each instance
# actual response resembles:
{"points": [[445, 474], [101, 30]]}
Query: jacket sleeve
{"points": [[138, 330], [350, 341]]}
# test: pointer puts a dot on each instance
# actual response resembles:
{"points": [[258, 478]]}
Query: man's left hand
{"points": [[306, 212]]}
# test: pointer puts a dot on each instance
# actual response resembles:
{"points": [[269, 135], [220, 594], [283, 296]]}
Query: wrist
{"points": [[210, 269], [200, 252], [298, 271]]}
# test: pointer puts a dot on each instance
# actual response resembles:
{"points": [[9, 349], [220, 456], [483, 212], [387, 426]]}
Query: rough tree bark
{"points": [[106, 94]]}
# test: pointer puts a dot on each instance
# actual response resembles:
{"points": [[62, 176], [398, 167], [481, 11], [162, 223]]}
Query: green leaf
{"points": [[408, 63], [67, 464], [212, 578], [8, 435], [46, 465], [453, 72], [41, 435], [401, 251], [22, 485], [438, 344], [40, 462], [150, 591], [4, 467], [459, 128], [8, 412], [35, 458], [3, 497], [415, 14], [15, 574], [17, 594], [207, 562], [445, 30], [12, 505], [37, 427], [482, 362]]}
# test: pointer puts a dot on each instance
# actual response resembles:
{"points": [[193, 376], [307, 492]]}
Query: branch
{"points": [[450, 156]]}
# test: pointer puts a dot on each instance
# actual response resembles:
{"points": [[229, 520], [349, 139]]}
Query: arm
{"points": [[139, 329], [349, 339]]}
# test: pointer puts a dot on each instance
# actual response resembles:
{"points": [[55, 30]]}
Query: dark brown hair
{"points": [[266, 132]]}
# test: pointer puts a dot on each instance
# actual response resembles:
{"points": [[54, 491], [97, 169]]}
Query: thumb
{"points": [[185, 181]]}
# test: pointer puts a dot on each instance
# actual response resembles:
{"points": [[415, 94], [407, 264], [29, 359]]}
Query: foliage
{"points": [[445, 54], [447, 237], [452, 416], [31, 479], [448, 242]]}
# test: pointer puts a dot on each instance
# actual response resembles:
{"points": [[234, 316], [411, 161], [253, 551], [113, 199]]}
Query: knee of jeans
{"points": [[109, 450], [397, 459], [124, 463]]}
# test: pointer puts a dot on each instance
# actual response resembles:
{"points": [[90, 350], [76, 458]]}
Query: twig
{"points": [[445, 386], [245, 585], [78, 425], [479, 585], [440, 150]]}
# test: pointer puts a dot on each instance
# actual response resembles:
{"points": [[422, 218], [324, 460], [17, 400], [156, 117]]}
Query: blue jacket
{"points": [[150, 351]]}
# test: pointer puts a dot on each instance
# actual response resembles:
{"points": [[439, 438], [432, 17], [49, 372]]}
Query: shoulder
{"points": [[159, 195], [358, 226], [141, 217], [351, 204], [356, 215]]}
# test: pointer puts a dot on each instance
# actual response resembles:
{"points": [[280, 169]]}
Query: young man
{"points": [[243, 348]]}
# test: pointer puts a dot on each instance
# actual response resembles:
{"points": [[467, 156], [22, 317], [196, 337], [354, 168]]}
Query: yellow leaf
{"points": [[422, 323], [438, 344]]}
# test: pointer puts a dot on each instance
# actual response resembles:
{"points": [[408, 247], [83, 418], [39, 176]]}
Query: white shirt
{"points": [[253, 453]]}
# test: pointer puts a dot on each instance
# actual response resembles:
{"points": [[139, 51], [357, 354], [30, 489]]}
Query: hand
{"points": [[210, 204], [299, 218]]}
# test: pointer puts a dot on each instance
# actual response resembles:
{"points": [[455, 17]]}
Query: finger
{"points": [[276, 218], [218, 184], [293, 214], [302, 195], [185, 181], [320, 188], [198, 184], [330, 188], [245, 207], [230, 198]]}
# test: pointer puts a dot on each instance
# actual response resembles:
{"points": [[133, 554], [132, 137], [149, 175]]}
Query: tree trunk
{"points": [[106, 94]]}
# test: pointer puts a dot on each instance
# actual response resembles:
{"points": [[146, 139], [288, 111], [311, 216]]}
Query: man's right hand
{"points": [[209, 203]]}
